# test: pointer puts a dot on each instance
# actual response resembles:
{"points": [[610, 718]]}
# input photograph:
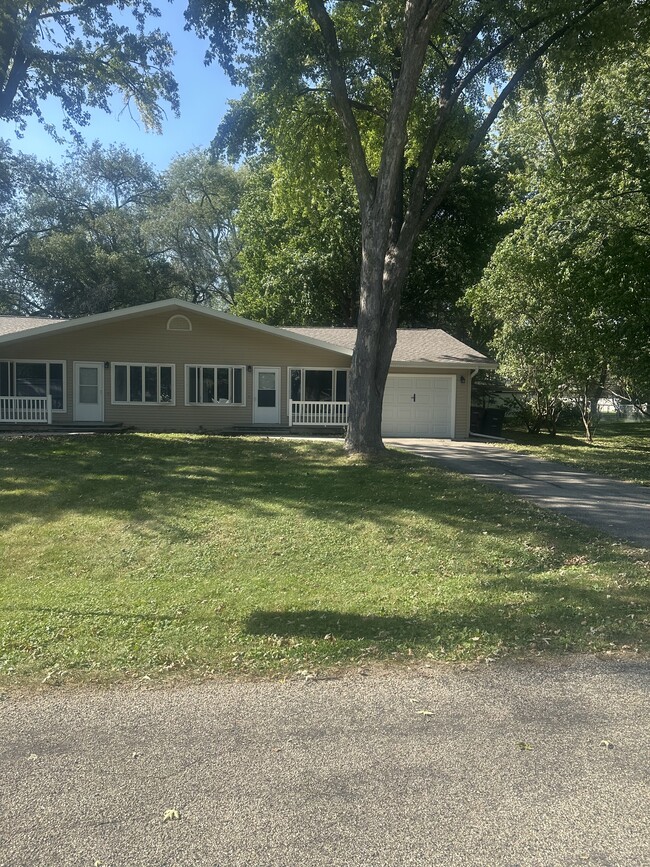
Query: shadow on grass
{"points": [[548, 613], [68, 612], [173, 485]]}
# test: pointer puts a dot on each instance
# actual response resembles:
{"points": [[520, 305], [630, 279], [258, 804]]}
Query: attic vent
{"points": [[179, 323]]}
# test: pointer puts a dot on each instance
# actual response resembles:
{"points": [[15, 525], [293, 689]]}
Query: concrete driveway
{"points": [[504, 765], [618, 508]]}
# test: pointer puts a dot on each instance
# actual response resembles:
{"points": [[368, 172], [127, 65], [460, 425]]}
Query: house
{"points": [[176, 366]]}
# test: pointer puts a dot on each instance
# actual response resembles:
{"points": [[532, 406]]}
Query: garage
{"points": [[418, 406]]}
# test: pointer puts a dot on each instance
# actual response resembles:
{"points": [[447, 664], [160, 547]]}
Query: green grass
{"points": [[124, 556], [619, 451]]}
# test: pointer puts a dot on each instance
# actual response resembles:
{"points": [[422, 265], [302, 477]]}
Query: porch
{"points": [[26, 410], [318, 413]]}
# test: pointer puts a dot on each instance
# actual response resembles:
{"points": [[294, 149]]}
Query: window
{"points": [[318, 384], [179, 323], [215, 384], [143, 383], [34, 379]]}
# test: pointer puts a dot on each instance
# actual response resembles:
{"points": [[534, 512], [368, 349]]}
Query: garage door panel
{"points": [[429, 414]]}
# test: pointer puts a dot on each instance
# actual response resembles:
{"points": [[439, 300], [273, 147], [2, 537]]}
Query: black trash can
{"points": [[476, 419], [492, 422]]}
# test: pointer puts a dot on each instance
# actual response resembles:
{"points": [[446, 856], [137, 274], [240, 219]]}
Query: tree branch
{"points": [[362, 177]]}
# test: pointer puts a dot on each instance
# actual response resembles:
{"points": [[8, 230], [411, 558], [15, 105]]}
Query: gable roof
{"points": [[425, 347]]}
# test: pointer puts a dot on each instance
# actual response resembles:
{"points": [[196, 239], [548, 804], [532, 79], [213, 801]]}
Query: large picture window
{"points": [[215, 384], [318, 384], [143, 383], [34, 379]]}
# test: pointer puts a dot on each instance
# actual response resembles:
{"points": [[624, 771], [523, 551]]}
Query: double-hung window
{"points": [[34, 379], [143, 383], [215, 384]]}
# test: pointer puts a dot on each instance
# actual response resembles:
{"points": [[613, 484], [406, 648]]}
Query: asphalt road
{"points": [[618, 508], [503, 764]]}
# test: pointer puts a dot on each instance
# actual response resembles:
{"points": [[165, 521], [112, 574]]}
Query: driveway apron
{"points": [[618, 508]]}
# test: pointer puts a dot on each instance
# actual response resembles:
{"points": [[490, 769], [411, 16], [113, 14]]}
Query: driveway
{"points": [[506, 765], [618, 508]]}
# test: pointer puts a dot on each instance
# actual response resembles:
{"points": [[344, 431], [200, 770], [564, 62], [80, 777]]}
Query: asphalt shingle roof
{"points": [[11, 324], [413, 344]]}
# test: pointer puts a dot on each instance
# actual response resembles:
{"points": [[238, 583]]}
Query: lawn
{"points": [[620, 451], [149, 555]]}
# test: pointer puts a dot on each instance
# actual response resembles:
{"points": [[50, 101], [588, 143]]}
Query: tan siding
{"points": [[146, 339]]}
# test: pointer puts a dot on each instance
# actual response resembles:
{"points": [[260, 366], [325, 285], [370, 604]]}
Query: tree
{"points": [[300, 256], [73, 242], [567, 290], [192, 225], [406, 84], [79, 52], [301, 252]]}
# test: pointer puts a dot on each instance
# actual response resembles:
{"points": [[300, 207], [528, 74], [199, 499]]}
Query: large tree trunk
{"points": [[383, 274]]}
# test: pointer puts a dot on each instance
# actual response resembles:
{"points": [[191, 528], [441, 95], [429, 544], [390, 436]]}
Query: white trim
{"points": [[48, 361], [454, 383], [143, 402], [214, 403], [100, 385], [333, 370], [278, 402], [444, 365]]}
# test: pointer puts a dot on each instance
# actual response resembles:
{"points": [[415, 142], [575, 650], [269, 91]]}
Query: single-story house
{"points": [[176, 366]]}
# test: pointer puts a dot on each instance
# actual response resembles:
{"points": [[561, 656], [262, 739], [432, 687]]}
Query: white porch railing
{"points": [[17, 410], [318, 412]]}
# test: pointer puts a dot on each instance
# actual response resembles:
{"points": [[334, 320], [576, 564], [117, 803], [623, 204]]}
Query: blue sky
{"points": [[204, 92]]}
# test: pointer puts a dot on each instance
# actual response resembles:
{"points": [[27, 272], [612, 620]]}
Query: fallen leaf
{"points": [[522, 745], [171, 815]]}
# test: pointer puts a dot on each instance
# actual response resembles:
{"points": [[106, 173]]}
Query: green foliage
{"points": [[299, 256], [105, 230], [192, 225], [80, 52], [73, 239], [567, 289]]}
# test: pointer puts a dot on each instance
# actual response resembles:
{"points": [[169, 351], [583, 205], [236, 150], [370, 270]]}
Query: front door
{"points": [[266, 391], [88, 391]]}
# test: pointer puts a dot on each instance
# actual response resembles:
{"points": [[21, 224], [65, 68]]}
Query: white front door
{"points": [[89, 391], [418, 406], [266, 400]]}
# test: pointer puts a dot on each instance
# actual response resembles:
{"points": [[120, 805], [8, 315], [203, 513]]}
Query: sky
{"points": [[204, 92]]}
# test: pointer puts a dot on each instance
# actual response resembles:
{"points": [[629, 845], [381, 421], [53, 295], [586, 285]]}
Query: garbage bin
{"points": [[476, 419], [492, 422]]}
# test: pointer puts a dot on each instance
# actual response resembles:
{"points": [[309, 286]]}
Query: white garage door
{"points": [[418, 406]]}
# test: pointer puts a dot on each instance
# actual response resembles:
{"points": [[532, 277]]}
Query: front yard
{"points": [[620, 450], [132, 555]]}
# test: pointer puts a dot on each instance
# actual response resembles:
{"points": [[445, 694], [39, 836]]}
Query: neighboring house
{"points": [[176, 366]]}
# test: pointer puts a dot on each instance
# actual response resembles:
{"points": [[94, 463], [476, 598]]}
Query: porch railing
{"points": [[318, 412], [20, 410]]}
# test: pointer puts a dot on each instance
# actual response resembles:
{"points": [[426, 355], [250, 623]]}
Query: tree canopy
{"points": [[79, 52], [566, 290]]}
